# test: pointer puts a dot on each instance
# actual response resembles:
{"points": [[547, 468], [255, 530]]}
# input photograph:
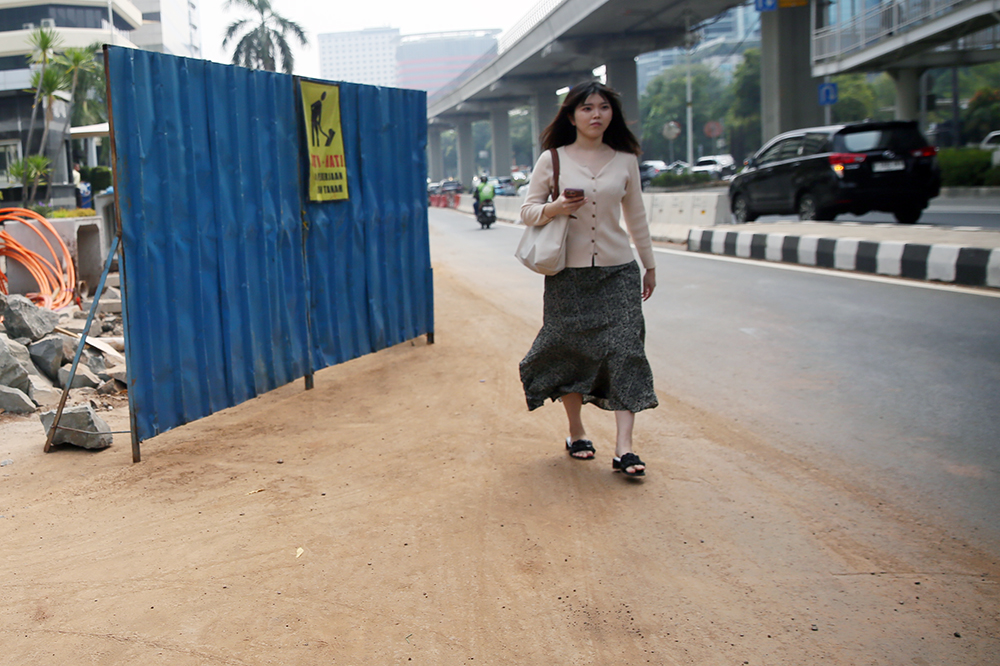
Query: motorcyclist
{"points": [[483, 193]]}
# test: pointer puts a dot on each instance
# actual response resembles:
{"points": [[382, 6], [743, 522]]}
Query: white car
{"points": [[716, 166], [991, 142]]}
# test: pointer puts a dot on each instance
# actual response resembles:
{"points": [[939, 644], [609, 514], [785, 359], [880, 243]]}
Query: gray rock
{"points": [[119, 372], [84, 377], [24, 319], [96, 435], [49, 354], [43, 391], [96, 364], [22, 354], [12, 373], [111, 387], [15, 401]]}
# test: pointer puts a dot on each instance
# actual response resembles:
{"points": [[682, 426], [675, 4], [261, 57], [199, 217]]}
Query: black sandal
{"points": [[628, 460], [580, 446]]}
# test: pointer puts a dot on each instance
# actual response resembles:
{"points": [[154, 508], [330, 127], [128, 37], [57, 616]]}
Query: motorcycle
{"points": [[487, 214]]}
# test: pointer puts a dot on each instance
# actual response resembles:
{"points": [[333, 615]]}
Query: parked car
{"points": [[649, 169], [821, 172], [991, 141], [717, 166], [503, 186]]}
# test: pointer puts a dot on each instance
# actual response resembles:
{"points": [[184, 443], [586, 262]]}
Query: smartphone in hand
{"points": [[572, 193]]}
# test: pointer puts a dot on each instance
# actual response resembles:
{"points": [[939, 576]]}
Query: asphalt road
{"points": [[893, 384], [965, 212]]}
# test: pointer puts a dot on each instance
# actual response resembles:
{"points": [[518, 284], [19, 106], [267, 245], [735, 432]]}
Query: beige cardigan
{"points": [[595, 237]]}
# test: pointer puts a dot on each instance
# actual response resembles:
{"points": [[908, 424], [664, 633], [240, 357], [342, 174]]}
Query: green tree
{"points": [[29, 171], [982, 116], [264, 42], [520, 137], [743, 117], [665, 100], [855, 98], [44, 43], [49, 83], [76, 63]]}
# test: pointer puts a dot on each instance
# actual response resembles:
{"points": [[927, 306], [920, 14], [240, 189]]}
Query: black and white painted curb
{"points": [[973, 266]]}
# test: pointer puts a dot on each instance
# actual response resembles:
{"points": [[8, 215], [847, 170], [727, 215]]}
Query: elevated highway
{"points": [[559, 43]]}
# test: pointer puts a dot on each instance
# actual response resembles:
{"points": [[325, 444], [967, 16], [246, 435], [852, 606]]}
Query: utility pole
{"points": [[690, 107]]}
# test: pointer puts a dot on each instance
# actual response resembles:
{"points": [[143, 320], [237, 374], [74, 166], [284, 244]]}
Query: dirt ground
{"points": [[410, 510]]}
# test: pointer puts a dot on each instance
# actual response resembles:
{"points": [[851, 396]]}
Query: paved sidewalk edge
{"points": [[973, 266]]}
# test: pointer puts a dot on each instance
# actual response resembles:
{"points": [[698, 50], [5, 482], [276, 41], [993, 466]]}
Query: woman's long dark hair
{"points": [[561, 131]]}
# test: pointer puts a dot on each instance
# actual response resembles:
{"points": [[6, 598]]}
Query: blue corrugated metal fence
{"points": [[233, 283]]}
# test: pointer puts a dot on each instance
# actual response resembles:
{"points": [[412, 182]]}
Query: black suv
{"points": [[821, 172]]}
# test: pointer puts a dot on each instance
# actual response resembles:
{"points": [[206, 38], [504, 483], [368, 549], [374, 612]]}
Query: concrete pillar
{"points": [[907, 93], [500, 133], [789, 94], [466, 152], [91, 146], [435, 158], [544, 106], [623, 77]]}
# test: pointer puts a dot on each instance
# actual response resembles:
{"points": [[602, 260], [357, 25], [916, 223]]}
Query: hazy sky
{"points": [[410, 16]]}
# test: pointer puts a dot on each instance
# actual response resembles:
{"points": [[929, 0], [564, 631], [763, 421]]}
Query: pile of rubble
{"points": [[37, 347]]}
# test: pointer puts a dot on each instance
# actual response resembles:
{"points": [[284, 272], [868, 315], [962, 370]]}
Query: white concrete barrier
{"points": [[671, 215]]}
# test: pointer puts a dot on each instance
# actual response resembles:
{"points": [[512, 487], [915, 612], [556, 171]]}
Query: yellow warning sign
{"points": [[327, 168]]}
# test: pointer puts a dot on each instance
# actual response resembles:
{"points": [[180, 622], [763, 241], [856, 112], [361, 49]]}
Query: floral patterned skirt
{"points": [[592, 341]]}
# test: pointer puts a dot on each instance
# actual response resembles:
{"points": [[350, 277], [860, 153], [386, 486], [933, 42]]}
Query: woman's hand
{"points": [[648, 283], [563, 206]]}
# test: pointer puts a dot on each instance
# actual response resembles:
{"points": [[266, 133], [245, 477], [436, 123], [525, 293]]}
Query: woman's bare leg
{"points": [[625, 420], [573, 404]]}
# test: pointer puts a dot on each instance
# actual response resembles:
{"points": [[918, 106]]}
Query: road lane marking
{"points": [[851, 275]]}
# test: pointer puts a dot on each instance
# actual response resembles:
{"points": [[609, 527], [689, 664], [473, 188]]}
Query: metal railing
{"points": [[535, 15], [875, 24]]}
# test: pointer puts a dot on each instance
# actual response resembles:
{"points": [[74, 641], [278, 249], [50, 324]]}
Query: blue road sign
{"points": [[827, 94], [765, 5]]}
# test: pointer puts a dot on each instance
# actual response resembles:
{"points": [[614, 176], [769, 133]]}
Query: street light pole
{"points": [[690, 106]]}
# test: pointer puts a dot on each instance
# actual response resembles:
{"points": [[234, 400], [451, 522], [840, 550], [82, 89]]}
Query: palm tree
{"points": [[265, 37], [49, 83], [29, 170], [76, 63], [44, 43]]}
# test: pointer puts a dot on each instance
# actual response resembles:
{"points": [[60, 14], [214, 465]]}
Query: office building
{"points": [[432, 60], [80, 24], [169, 26], [364, 56]]}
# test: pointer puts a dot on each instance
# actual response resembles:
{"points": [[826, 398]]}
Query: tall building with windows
{"points": [[721, 45], [430, 61], [78, 23], [169, 26], [383, 57], [364, 56]]}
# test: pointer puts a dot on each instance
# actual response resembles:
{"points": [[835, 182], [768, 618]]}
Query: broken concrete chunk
{"points": [[118, 372], [12, 373], [22, 354], [49, 354], [24, 319], [95, 361], [84, 377], [43, 391], [96, 432], [15, 401], [111, 387]]}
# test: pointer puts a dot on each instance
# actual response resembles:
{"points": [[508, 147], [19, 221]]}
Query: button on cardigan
{"points": [[595, 237]]}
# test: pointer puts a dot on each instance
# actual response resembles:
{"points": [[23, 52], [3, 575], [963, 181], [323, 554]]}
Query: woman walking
{"points": [[591, 348]]}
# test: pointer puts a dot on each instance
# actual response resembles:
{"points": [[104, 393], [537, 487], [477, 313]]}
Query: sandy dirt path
{"points": [[409, 510]]}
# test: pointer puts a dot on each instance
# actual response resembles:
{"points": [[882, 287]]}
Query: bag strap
{"points": [[555, 173]]}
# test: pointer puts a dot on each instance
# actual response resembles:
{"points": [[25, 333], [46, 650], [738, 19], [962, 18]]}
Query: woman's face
{"points": [[592, 116]]}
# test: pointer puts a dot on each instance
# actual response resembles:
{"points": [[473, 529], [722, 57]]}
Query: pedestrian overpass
{"points": [[561, 42]]}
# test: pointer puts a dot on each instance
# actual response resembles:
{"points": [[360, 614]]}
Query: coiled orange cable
{"points": [[56, 278]]}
